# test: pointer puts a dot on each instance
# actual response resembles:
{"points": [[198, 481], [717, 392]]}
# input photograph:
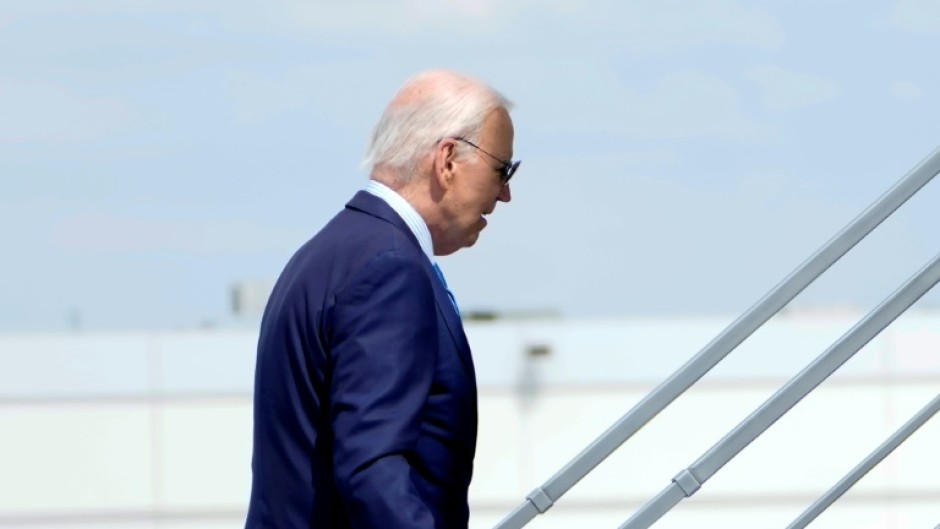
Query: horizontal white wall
{"points": [[153, 430]]}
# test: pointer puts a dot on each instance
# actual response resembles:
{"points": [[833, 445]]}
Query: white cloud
{"points": [[637, 27], [906, 90], [646, 26], [41, 111], [788, 90], [916, 16]]}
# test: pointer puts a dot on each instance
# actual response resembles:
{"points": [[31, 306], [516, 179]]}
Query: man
{"points": [[365, 395]]}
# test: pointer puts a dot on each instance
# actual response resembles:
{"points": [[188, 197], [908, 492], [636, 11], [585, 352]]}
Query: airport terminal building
{"points": [[148, 430]]}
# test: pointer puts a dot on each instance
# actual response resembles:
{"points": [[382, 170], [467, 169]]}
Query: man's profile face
{"points": [[478, 183]]}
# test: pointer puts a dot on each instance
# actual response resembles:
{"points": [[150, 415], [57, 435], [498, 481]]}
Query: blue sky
{"points": [[678, 157]]}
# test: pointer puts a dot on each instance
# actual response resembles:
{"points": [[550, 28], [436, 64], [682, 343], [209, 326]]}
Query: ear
{"points": [[445, 167]]}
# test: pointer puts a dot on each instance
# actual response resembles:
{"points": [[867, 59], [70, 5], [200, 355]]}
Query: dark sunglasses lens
{"points": [[509, 170]]}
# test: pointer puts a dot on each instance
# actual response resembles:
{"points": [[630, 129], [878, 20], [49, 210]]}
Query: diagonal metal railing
{"points": [[542, 498], [687, 482], [867, 464]]}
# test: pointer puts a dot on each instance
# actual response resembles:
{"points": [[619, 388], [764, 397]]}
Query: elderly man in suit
{"points": [[365, 400]]}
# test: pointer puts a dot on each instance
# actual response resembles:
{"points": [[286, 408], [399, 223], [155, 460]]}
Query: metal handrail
{"points": [[687, 482], [542, 498], [867, 464]]}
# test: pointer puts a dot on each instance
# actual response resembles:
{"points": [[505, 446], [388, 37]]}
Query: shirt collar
{"points": [[407, 212]]}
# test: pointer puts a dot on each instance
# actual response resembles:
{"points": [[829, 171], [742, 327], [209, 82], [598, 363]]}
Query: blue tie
{"points": [[444, 282]]}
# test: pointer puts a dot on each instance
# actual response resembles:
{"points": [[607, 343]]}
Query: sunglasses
{"points": [[508, 167]]}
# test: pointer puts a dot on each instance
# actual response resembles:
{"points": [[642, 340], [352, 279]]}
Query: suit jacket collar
{"points": [[368, 203], [375, 206]]}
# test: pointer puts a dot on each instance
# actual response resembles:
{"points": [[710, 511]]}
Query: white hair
{"points": [[428, 108]]}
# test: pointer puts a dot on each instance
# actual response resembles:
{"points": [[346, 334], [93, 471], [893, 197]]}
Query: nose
{"points": [[505, 195]]}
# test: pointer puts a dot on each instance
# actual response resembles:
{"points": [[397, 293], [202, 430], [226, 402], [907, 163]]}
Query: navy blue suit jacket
{"points": [[365, 402]]}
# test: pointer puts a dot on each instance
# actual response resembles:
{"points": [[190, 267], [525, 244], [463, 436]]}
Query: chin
{"points": [[469, 239]]}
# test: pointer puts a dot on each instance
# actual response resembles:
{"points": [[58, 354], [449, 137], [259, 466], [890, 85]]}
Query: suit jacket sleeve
{"points": [[383, 352]]}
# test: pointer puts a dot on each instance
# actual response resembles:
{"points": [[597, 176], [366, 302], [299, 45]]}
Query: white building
{"points": [[153, 429]]}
